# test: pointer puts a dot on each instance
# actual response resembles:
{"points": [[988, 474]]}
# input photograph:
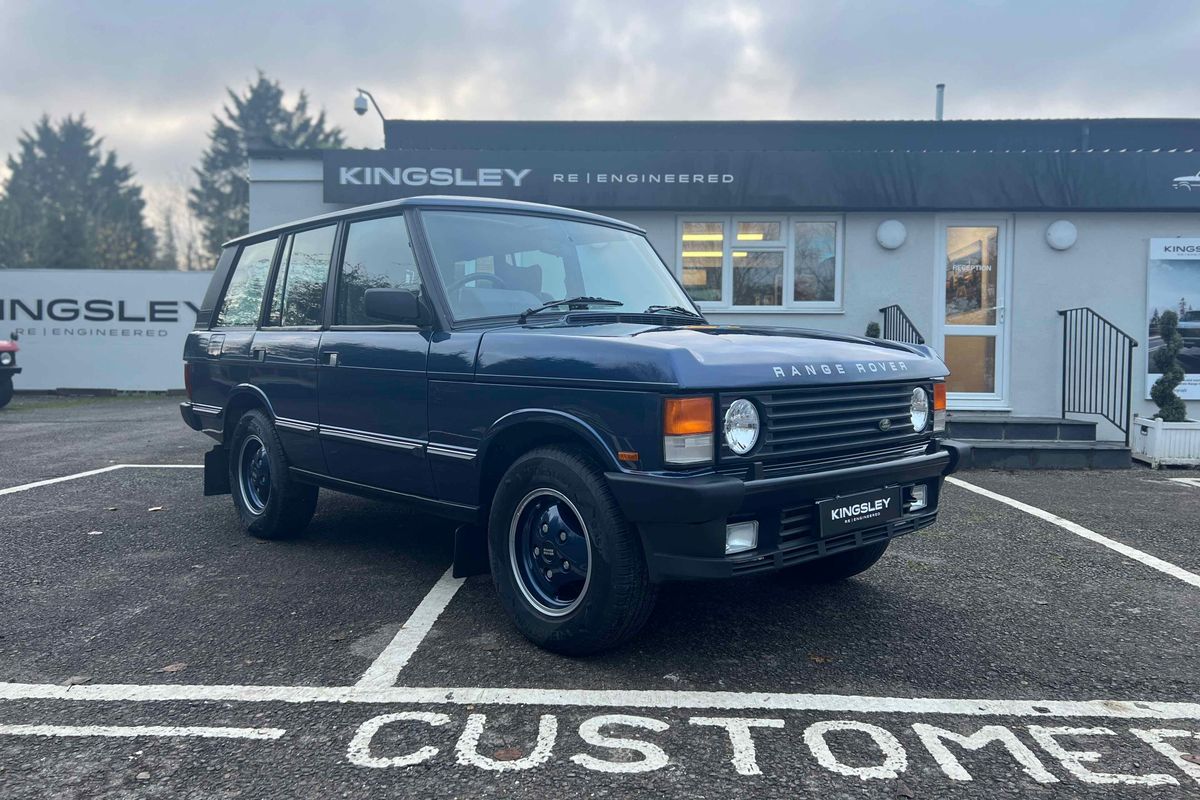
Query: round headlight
{"points": [[6, 358], [918, 409], [741, 426]]}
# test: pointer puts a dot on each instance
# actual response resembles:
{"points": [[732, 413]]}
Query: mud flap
{"points": [[216, 471], [470, 551]]}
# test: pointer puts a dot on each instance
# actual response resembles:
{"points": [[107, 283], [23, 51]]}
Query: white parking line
{"points": [[49, 481], [1129, 552], [606, 698], [386, 668], [141, 730], [1187, 481]]}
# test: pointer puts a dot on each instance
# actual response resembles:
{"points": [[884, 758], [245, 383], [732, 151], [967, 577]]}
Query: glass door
{"points": [[974, 262]]}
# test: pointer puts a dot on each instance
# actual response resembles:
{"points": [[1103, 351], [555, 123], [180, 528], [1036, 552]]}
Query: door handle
{"points": [[331, 359], [259, 353]]}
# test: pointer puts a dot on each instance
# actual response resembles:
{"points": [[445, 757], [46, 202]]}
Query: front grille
{"points": [[829, 424], [797, 523]]}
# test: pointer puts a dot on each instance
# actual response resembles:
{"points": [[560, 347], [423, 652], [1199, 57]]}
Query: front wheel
{"points": [[569, 569], [6, 390], [271, 504], [839, 566]]}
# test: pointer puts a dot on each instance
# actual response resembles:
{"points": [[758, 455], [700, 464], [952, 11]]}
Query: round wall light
{"points": [[1061, 235], [890, 234]]}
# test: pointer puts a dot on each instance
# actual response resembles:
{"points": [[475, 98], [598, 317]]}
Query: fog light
{"points": [[740, 537], [918, 498]]}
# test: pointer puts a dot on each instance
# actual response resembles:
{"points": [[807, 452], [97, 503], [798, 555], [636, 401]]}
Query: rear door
{"points": [[228, 362], [373, 384], [287, 343]]}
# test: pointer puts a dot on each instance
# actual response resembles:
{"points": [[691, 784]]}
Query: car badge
{"points": [[885, 424]]}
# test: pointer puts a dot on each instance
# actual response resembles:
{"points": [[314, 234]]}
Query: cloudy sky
{"points": [[149, 75]]}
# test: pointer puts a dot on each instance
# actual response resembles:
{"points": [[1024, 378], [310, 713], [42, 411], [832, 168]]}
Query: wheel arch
{"points": [[520, 431], [243, 398]]}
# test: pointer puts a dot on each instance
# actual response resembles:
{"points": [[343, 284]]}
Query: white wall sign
{"points": [[100, 329], [1173, 284]]}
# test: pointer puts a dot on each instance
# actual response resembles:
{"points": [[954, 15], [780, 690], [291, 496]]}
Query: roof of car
{"points": [[445, 201]]}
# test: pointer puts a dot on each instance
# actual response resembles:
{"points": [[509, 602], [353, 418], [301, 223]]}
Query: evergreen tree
{"points": [[67, 203], [1165, 359], [258, 117], [168, 251]]}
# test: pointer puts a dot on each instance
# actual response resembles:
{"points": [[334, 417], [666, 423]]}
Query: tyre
{"points": [[569, 569], [271, 504], [840, 566], [6, 391]]}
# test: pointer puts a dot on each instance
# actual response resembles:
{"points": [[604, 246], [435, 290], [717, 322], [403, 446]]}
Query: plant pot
{"points": [[1161, 443]]}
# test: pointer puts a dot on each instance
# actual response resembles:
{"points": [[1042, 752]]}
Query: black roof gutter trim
{"points": [[443, 202]]}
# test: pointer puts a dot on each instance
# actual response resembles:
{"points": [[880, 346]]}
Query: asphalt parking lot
{"points": [[1040, 640]]}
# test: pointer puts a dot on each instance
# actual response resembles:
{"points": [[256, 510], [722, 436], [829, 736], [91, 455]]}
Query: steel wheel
{"points": [[550, 552], [254, 474]]}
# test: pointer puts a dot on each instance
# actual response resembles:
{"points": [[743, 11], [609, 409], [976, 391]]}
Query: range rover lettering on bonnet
{"points": [[590, 443], [838, 368]]}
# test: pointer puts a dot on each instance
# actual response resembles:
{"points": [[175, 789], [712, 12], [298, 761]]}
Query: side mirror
{"points": [[394, 305]]}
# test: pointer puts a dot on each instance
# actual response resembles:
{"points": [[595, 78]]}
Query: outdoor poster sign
{"points": [[1173, 283]]}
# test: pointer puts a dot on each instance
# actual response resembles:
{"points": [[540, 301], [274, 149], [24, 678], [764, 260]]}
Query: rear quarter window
{"points": [[243, 299]]}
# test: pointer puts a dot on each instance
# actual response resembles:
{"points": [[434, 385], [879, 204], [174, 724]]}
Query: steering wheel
{"points": [[476, 276]]}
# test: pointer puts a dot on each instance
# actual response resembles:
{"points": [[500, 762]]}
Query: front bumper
{"points": [[682, 519], [8, 372]]}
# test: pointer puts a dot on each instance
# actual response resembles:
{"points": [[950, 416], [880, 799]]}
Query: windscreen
{"points": [[495, 265]]}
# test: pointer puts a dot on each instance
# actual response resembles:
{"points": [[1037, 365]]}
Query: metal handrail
{"points": [[897, 327], [1097, 373]]}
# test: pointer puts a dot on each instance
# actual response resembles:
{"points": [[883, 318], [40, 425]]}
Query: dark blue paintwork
{"points": [[695, 357], [434, 413]]}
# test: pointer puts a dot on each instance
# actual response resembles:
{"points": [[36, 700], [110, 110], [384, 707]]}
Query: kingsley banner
{"points": [[1173, 284], [100, 329], [796, 180]]}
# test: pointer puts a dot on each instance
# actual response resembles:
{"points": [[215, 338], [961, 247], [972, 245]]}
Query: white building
{"points": [[979, 232]]}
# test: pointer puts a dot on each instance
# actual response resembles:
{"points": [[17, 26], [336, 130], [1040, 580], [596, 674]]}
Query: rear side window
{"points": [[244, 294], [303, 272], [379, 255]]}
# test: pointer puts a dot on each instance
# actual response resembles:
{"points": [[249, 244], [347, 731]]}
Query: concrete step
{"points": [[1042, 454], [962, 425]]}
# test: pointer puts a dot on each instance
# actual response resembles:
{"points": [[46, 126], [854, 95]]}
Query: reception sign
{"points": [[1173, 284], [100, 329]]}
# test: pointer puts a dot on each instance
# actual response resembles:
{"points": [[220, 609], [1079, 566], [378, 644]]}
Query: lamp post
{"points": [[360, 105]]}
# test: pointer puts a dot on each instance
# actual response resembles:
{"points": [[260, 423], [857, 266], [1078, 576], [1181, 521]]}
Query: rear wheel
{"points": [[6, 390], [568, 568], [840, 566], [271, 504]]}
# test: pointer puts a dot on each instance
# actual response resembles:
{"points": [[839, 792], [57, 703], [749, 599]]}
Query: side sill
{"points": [[442, 508]]}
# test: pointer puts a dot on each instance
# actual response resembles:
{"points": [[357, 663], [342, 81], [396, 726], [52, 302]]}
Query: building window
{"points": [[703, 259], [814, 249], [762, 262]]}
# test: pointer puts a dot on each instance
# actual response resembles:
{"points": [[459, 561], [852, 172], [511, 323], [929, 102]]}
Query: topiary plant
{"points": [[872, 330], [1171, 407]]}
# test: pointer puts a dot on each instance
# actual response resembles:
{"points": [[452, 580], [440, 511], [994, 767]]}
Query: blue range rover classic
{"points": [[539, 375]]}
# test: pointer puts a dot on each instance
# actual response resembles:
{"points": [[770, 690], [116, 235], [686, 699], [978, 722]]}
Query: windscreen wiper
{"points": [[582, 301], [687, 312]]}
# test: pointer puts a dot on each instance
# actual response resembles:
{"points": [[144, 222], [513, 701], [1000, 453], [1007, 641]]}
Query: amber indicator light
{"points": [[939, 397], [687, 415]]}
